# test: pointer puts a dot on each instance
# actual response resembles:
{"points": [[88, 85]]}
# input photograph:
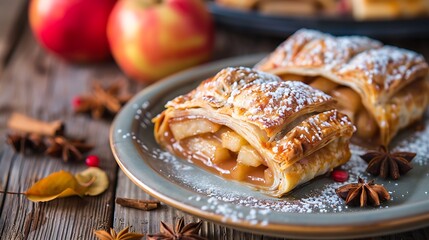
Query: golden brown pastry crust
{"points": [[378, 73], [255, 97], [290, 124]]}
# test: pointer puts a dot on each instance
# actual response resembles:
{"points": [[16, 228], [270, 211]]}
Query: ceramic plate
{"points": [[283, 26], [310, 211]]}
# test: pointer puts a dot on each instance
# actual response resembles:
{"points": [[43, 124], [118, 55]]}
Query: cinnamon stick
{"points": [[26, 124], [145, 205]]}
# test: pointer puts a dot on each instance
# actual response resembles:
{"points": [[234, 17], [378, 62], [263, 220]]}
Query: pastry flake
{"points": [[253, 127], [389, 85]]}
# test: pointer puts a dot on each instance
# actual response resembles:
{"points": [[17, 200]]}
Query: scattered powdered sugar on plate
{"points": [[320, 200], [417, 142], [236, 202]]}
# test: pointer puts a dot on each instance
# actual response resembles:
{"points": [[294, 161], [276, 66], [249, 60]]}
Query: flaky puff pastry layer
{"points": [[379, 74], [293, 126]]}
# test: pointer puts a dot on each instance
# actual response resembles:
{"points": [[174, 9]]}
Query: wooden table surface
{"points": [[36, 83]]}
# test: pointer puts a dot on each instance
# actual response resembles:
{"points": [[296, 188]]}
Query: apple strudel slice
{"points": [[381, 88], [253, 127]]}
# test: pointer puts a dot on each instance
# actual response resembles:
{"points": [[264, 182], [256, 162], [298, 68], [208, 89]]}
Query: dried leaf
{"points": [[92, 181], [57, 185], [95, 178]]}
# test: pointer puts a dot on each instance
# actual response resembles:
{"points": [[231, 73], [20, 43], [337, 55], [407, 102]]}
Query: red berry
{"points": [[92, 161], [340, 175], [76, 102]]}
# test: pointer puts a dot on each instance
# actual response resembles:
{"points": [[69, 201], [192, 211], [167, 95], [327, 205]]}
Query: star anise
{"points": [[22, 142], [67, 149], [103, 102], [122, 235], [363, 194], [180, 232], [388, 164]]}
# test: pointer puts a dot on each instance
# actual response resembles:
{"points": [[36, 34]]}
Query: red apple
{"points": [[152, 40], [72, 29]]}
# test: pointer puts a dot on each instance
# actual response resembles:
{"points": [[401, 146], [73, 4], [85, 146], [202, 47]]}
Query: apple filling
{"points": [[220, 150], [349, 102]]}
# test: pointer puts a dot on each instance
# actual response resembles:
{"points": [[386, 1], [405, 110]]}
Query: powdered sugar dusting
{"points": [[293, 45], [261, 98], [253, 96], [280, 100], [417, 142], [386, 65], [313, 48], [378, 68]]}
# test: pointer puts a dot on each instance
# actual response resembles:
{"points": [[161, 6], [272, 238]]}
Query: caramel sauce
{"points": [[198, 150]]}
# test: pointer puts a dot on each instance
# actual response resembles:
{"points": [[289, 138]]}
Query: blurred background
{"points": [[150, 39], [53, 51]]}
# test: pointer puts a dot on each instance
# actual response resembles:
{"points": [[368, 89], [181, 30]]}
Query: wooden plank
{"points": [[37, 84], [13, 15]]}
